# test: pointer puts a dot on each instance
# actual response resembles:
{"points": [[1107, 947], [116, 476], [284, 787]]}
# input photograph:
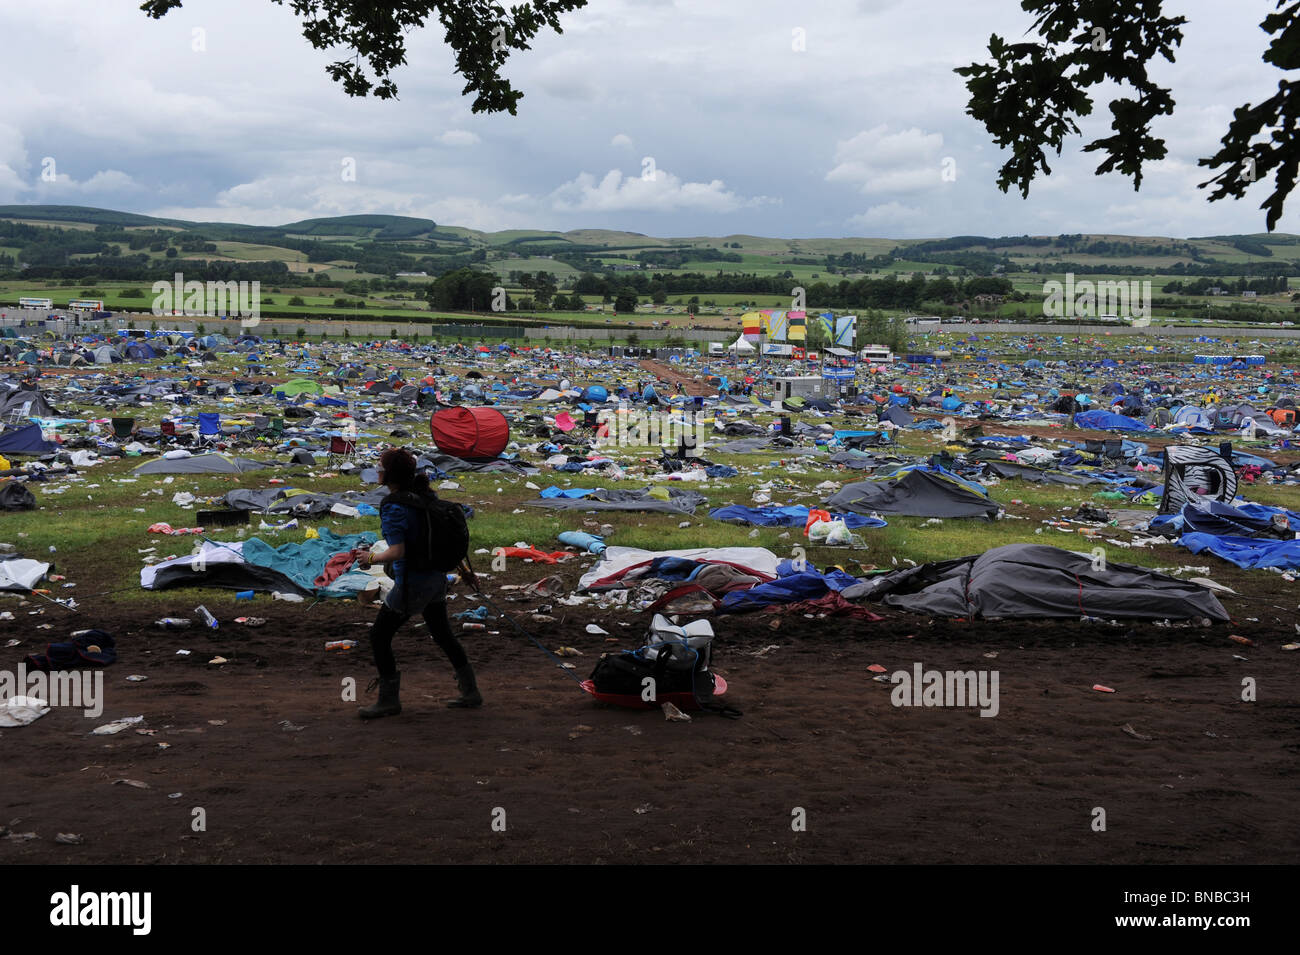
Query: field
{"points": [[268, 746]]}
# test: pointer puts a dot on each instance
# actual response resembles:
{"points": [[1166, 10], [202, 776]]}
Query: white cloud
{"points": [[660, 191], [458, 137], [622, 141], [886, 215], [878, 161]]}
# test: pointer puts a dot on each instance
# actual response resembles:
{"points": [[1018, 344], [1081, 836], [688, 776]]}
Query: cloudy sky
{"points": [[667, 117]]}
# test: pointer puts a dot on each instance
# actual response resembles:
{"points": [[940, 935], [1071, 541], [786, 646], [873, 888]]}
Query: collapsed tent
{"points": [[1249, 553], [255, 565], [1225, 520], [1108, 421], [28, 440], [792, 516], [918, 493], [625, 566], [470, 433], [659, 499], [1192, 473], [201, 464], [1036, 581]]}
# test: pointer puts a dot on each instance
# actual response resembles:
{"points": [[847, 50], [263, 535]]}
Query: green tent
{"points": [[298, 386]]}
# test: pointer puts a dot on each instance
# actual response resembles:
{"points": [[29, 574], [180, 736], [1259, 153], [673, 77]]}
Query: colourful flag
{"points": [[846, 331], [752, 323], [798, 330], [828, 323], [774, 323]]}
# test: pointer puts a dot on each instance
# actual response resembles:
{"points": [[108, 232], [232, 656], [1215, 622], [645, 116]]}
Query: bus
{"points": [[85, 305], [45, 303]]}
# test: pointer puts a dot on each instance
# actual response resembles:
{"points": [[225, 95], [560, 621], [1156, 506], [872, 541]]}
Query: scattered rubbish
{"points": [[68, 839], [175, 623], [1102, 689], [22, 710], [340, 645], [108, 729], [135, 783], [1127, 728], [673, 715], [207, 617]]}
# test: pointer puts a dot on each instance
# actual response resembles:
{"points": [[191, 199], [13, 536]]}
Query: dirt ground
{"points": [[284, 771]]}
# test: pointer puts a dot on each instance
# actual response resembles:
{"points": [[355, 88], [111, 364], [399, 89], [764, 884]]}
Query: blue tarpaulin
{"points": [[1246, 552]]}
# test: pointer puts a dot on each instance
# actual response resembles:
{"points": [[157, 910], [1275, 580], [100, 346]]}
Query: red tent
{"points": [[470, 432]]}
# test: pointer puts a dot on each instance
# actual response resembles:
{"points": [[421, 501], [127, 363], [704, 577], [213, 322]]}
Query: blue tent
{"points": [[1106, 421], [26, 440], [595, 393]]}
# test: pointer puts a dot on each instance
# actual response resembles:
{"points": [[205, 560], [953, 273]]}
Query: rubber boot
{"points": [[469, 695], [388, 703]]}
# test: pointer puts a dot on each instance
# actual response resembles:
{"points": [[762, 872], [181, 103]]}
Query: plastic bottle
{"points": [[210, 620], [175, 623]]}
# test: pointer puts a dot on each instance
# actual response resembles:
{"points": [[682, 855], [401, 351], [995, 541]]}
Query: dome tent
{"points": [[470, 433]]}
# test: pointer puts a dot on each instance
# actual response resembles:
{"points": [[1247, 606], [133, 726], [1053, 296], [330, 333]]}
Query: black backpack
{"points": [[440, 539]]}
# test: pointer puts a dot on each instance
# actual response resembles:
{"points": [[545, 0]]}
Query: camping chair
{"points": [[209, 427], [123, 428], [168, 428], [20, 414], [342, 451]]}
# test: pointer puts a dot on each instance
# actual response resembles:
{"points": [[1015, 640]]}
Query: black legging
{"points": [[385, 628]]}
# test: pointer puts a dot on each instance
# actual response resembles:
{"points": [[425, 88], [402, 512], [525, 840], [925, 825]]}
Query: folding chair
{"points": [[20, 414], [342, 451], [123, 428], [209, 427], [167, 427]]}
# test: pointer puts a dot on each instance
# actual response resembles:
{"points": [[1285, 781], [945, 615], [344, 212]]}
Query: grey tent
{"points": [[897, 415], [1036, 581], [201, 464], [918, 493], [27, 403]]}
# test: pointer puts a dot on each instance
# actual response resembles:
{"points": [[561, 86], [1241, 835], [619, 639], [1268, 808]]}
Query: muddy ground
{"points": [[283, 770]]}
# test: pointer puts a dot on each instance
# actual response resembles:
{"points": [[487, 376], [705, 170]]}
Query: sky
{"points": [[674, 118]]}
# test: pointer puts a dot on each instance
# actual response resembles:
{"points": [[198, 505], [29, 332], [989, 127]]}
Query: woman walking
{"points": [[414, 590]]}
